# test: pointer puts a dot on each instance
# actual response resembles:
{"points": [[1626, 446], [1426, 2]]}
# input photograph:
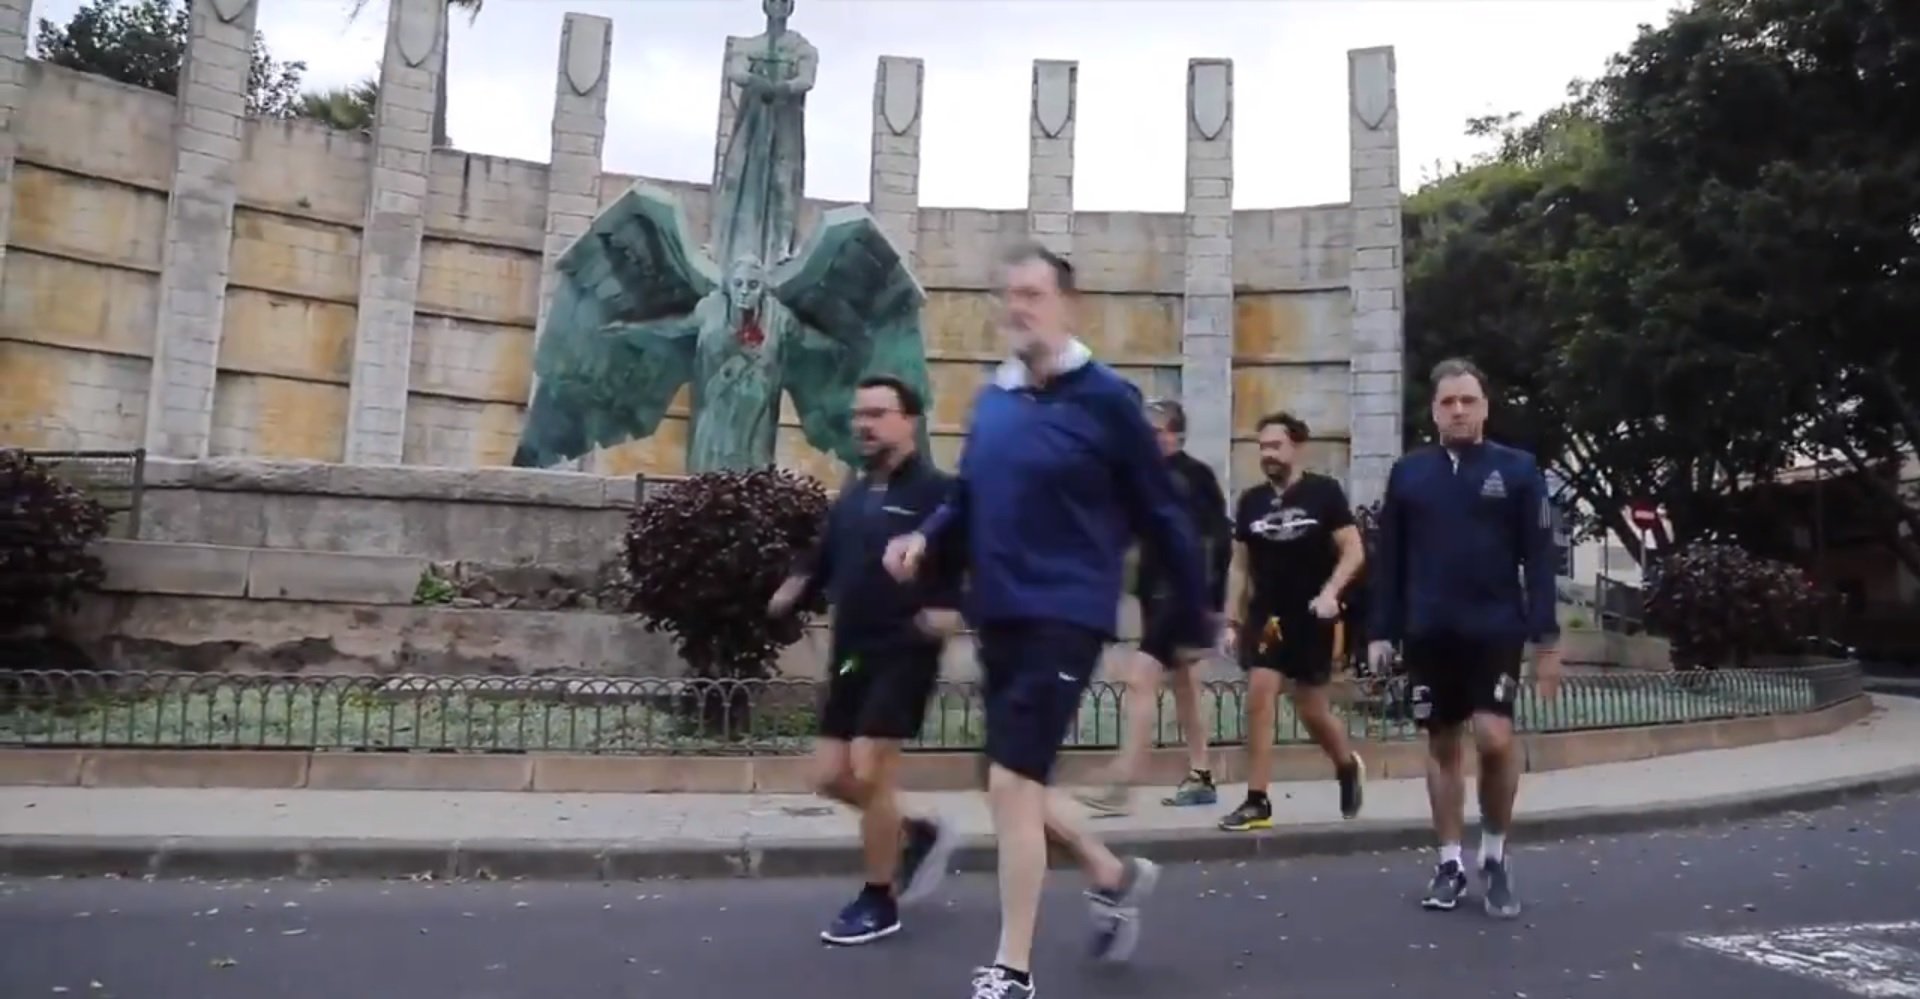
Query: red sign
{"points": [[1644, 516]]}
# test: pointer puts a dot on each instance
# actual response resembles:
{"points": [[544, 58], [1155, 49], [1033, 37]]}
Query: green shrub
{"points": [[46, 529], [1721, 606]]}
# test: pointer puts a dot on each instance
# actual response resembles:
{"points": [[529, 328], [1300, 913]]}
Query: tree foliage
{"points": [[1701, 267], [705, 554], [144, 42], [46, 529], [1721, 606], [348, 109]]}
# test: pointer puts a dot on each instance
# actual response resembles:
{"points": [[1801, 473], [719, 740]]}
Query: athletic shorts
{"points": [[1300, 649], [878, 695], [1034, 674], [1454, 678], [1159, 637]]}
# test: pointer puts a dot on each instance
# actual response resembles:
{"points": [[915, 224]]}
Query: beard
{"points": [[879, 457], [1277, 471]]}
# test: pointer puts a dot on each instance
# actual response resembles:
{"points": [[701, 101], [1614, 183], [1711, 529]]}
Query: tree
{"points": [[348, 109], [472, 7], [143, 42]]}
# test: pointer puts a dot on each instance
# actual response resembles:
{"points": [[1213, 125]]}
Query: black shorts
{"points": [[1302, 651], [1454, 678], [1159, 637], [1034, 673], [878, 695]]}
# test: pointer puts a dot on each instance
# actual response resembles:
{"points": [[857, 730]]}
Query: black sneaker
{"points": [[1449, 883], [1498, 892], [1116, 911], [1353, 787], [926, 851], [867, 918], [1253, 814], [995, 983]]}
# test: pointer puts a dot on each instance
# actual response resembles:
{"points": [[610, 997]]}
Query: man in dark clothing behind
{"points": [[885, 660], [1206, 502], [1459, 525]]}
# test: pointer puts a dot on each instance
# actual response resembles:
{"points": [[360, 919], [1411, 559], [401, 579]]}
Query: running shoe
{"points": [[1116, 911], [1195, 790], [926, 852], [867, 918], [1107, 801], [1251, 815], [1449, 884], [1353, 787], [995, 983], [1498, 894]]}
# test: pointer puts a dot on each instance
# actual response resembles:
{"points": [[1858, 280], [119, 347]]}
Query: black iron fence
{"points": [[114, 479], [604, 715]]}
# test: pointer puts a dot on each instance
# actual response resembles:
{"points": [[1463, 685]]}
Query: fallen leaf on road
{"points": [[222, 962]]}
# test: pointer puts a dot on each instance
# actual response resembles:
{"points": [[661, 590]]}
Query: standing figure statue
{"points": [[763, 176], [639, 312]]}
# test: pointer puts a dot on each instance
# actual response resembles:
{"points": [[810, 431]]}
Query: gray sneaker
{"points": [[1109, 801], [1116, 911], [1498, 894], [994, 983]]}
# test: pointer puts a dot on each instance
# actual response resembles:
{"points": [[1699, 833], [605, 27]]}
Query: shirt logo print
{"points": [[1495, 487], [1285, 524]]}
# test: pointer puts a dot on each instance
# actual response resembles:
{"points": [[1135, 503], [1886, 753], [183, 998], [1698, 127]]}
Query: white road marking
{"points": [[1853, 957]]}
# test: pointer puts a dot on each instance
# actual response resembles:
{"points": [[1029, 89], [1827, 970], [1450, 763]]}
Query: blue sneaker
{"points": [[1196, 789], [867, 918]]}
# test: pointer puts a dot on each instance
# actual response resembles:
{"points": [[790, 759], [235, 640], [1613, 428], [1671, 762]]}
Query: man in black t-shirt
{"points": [[1296, 549]]}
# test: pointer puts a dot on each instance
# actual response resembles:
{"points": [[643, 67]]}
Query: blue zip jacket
{"points": [[1053, 486], [871, 611], [1454, 540]]}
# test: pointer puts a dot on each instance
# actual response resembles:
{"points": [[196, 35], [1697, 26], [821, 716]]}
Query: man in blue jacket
{"points": [[1460, 525], [1060, 474]]}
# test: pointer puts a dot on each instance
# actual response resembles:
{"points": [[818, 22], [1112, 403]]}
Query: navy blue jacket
{"points": [[1054, 485], [871, 610], [1453, 544]]}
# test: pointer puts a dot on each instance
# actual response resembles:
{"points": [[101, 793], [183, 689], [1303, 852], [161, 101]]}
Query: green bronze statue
{"points": [[639, 310]]}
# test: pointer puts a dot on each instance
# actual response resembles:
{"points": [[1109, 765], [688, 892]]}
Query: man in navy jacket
{"points": [[1060, 474], [1460, 524]]}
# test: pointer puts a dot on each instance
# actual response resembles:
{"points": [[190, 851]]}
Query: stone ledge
{"points": [[933, 771], [168, 568], [511, 486]]}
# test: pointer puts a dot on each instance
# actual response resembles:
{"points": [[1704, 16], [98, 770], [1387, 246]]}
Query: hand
{"points": [[1229, 637], [1326, 606], [785, 597], [1379, 654], [1546, 670], [903, 555], [941, 624]]}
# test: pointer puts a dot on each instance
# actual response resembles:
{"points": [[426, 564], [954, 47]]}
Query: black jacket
{"points": [[1206, 503], [872, 610]]}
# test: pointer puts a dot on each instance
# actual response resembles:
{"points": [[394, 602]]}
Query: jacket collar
{"points": [[1013, 374]]}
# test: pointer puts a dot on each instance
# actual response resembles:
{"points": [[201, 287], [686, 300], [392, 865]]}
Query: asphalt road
{"points": [[1605, 915]]}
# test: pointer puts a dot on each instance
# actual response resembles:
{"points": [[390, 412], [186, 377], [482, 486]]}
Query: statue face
{"points": [[778, 10], [745, 285]]}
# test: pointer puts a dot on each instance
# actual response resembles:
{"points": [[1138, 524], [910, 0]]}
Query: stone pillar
{"points": [[894, 197], [1206, 329], [1050, 154], [13, 71], [573, 164], [1375, 271], [729, 110], [390, 236], [209, 118]]}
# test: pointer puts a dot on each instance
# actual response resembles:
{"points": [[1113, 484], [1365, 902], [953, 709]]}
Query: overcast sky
{"points": [[1457, 58]]}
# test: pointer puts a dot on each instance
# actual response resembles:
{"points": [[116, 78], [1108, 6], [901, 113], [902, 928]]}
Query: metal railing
{"points": [[115, 479], [605, 715]]}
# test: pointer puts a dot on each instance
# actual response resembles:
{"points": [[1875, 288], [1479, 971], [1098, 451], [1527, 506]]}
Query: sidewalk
{"points": [[251, 833]]}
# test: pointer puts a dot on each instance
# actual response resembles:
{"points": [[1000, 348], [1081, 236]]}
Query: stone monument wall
{"points": [[181, 277]]}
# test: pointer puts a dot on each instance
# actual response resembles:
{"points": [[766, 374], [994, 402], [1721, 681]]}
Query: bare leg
{"points": [[1446, 784], [833, 772], [1315, 710], [1102, 867], [875, 763], [1263, 691], [1020, 823], [1142, 709], [1499, 771], [1186, 710]]}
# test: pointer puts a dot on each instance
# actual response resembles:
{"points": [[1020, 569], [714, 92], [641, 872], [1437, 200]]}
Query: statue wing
{"points": [[620, 332], [861, 305]]}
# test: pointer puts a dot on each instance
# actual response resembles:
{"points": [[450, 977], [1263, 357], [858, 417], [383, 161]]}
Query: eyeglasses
{"points": [[874, 413]]}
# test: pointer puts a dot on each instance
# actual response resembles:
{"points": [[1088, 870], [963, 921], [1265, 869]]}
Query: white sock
{"points": [[1449, 853], [1493, 846]]}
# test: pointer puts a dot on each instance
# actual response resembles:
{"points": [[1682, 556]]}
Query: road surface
{"points": [[1819, 905]]}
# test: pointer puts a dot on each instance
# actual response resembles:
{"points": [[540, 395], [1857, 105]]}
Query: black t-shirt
{"points": [[1289, 539]]}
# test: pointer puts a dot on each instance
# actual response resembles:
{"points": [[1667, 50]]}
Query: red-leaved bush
{"points": [[1721, 606]]}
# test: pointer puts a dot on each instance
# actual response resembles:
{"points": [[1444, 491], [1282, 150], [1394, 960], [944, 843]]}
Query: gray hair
{"points": [[1458, 367], [1172, 412]]}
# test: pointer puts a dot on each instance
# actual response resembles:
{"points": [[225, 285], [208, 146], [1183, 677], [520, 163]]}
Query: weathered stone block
{"points": [[178, 569], [328, 577]]}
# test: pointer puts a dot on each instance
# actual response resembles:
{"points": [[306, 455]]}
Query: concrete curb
{"points": [[309, 859]]}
